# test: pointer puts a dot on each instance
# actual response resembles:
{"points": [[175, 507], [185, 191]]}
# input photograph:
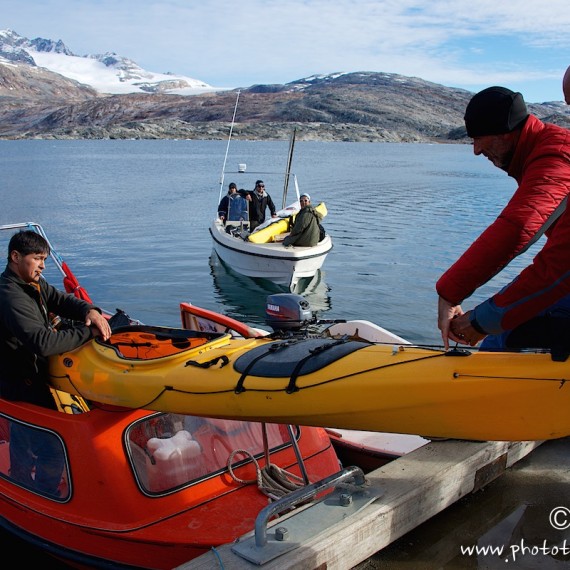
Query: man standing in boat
{"points": [[305, 231], [260, 200], [534, 309], [27, 339], [224, 205]]}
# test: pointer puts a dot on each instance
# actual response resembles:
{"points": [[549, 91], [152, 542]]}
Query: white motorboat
{"points": [[261, 253], [282, 265]]}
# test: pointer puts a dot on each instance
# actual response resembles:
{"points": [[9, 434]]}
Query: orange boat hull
{"points": [[109, 516]]}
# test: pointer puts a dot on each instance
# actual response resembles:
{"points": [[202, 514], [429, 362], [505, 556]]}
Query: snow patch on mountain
{"points": [[111, 76], [106, 73]]}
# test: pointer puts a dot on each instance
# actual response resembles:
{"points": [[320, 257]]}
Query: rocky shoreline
{"points": [[343, 132]]}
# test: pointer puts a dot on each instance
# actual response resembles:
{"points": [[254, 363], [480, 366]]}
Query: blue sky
{"points": [[523, 45]]}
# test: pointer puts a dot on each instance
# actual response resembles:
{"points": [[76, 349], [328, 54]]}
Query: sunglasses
{"points": [[261, 185]]}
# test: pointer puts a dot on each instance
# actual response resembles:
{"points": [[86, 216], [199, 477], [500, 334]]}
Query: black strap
{"points": [[292, 386], [225, 360], [272, 348], [559, 210]]}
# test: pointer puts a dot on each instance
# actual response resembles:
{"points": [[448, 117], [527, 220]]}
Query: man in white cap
{"points": [[305, 231], [533, 310]]}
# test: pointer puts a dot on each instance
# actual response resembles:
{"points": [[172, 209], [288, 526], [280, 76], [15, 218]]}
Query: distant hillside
{"points": [[360, 106]]}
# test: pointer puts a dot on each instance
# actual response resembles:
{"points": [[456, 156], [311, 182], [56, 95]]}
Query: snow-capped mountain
{"points": [[106, 73]]}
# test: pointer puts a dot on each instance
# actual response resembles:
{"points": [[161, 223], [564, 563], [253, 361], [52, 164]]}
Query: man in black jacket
{"points": [[26, 335], [27, 339], [260, 201]]}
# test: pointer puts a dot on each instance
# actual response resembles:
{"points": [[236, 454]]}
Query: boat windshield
{"points": [[168, 451], [238, 211]]}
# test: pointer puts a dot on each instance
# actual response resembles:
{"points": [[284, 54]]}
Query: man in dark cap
{"points": [[224, 205], [496, 111], [534, 309]]}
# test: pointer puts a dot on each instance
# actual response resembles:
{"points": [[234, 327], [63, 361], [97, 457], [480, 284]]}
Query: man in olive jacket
{"points": [[305, 231]]}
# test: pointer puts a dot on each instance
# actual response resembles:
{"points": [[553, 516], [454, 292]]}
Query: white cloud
{"points": [[454, 42]]}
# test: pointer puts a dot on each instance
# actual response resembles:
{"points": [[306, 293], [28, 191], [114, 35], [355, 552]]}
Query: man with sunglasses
{"points": [[259, 201]]}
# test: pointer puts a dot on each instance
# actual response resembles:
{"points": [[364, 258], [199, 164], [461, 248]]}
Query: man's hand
{"points": [[462, 329], [446, 313], [95, 320]]}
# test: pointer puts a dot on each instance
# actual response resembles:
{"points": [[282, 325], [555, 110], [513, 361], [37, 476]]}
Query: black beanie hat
{"points": [[494, 111]]}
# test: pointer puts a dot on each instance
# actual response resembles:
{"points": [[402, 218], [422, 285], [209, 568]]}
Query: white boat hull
{"points": [[272, 261]]}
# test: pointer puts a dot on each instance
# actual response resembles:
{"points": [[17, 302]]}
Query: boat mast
{"points": [[228, 148], [288, 171]]}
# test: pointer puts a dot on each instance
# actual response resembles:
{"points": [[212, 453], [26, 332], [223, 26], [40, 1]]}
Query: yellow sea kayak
{"points": [[342, 383]]}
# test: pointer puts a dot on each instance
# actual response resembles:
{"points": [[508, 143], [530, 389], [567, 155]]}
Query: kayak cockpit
{"points": [[143, 342]]}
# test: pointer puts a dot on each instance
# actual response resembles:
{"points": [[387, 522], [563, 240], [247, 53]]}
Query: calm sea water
{"points": [[131, 219]]}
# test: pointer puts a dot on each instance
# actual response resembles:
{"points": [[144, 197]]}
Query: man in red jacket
{"points": [[534, 309]]}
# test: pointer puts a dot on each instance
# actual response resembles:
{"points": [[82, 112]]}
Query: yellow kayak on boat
{"points": [[344, 383]]}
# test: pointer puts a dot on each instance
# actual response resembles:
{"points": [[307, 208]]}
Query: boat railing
{"points": [[34, 226], [348, 492], [70, 282], [300, 495]]}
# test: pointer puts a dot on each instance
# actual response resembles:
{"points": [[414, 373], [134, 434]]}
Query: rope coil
{"points": [[272, 481]]}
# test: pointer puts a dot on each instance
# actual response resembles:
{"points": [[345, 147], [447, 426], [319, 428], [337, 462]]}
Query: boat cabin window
{"points": [[168, 451], [33, 458]]}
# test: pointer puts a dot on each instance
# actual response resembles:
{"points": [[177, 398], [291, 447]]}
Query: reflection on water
{"points": [[526, 530], [507, 524], [244, 298]]}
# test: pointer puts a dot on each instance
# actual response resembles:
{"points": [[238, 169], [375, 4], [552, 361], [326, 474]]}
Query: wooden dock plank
{"points": [[416, 487]]}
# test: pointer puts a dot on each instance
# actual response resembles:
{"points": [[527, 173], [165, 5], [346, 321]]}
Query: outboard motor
{"points": [[287, 312]]}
